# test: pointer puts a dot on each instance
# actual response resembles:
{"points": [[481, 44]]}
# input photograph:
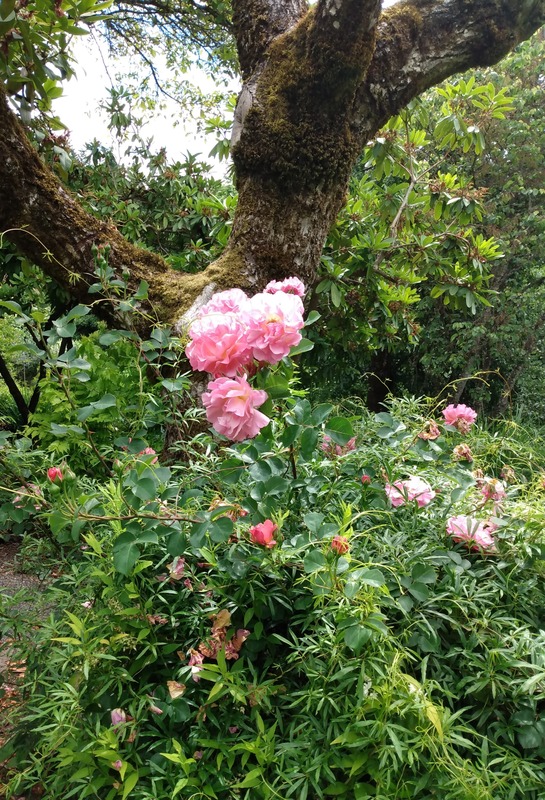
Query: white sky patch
{"points": [[80, 110]]}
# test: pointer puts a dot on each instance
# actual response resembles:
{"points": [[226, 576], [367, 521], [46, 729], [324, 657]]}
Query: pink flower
{"points": [[54, 474], [365, 479], [462, 452], [176, 569], [273, 324], [263, 533], [460, 416], [218, 345], [289, 285], [493, 489], [117, 764], [233, 729], [430, 430], [149, 451], [469, 529], [228, 302], [231, 407], [118, 717], [340, 544], [195, 662], [414, 488]]}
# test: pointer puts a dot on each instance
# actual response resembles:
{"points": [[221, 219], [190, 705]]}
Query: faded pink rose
{"points": [[55, 474], [469, 529], [195, 662], [289, 286], [228, 302], [231, 407], [340, 544], [263, 533], [273, 324], [462, 452], [118, 717], [430, 430], [176, 569], [414, 488], [218, 345], [460, 416], [493, 489]]}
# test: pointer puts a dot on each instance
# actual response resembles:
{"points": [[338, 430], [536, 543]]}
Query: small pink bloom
{"points": [[233, 729], [365, 479], [263, 533], [117, 764], [462, 452], [229, 302], [332, 449], [188, 584], [414, 488], [176, 569], [340, 544], [118, 717], [155, 709], [493, 489], [149, 451], [273, 325], [219, 345], [231, 407], [430, 430], [460, 416], [195, 662], [289, 285], [88, 604], [54, 474], [469, 529]]}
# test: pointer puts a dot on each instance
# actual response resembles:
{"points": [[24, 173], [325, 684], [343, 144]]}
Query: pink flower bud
{"points": [[54, 474], [118, 717], [340, 545]]}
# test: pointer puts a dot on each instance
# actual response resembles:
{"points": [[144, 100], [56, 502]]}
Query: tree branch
{"points": [[422, 42], [258, 23]]}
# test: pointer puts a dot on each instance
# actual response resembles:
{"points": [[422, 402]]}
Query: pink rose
{"points": [[469, 529], [263, 533], [231, 407], [340, 544], [460, 416], [218, 345], [273, 324], [228, 302], [118, 717], [332, 449], [149, 451], [365, 479], [54, 474], [289, 285], [414, 488], [493, 489]]}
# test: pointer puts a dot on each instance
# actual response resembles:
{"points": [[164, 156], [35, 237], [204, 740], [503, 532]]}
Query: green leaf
{"points": [[339, 430], [125, 553], [303, 347], [356, 636], [314, 561]]}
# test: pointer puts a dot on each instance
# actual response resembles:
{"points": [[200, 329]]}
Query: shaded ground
{"points": [[29, 588]]}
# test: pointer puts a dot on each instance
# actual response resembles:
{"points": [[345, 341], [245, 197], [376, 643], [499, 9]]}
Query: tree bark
{"points": [[318, 83]]}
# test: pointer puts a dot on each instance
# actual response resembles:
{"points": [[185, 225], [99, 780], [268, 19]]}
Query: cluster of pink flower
{"points": [[233, 335], [414, 488], [468, 529], [331, 449]]}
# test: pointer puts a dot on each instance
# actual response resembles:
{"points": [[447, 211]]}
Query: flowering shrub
{"points": [[269, 620]]}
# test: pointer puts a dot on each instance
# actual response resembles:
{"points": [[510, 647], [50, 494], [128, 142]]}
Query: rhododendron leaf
{"points": [[356, 636], [309, 440], [303, 347], [314, 561], [125, 553], [339, 430]]}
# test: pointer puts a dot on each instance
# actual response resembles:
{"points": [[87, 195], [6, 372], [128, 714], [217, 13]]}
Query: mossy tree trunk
{"points": [[318, 83]]}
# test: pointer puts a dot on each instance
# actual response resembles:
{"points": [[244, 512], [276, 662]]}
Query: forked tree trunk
{"points": [[318, 83]]}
